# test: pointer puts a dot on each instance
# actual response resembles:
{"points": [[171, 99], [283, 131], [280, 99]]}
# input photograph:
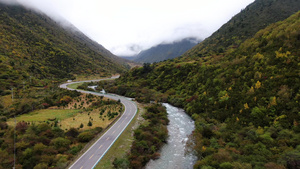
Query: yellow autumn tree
{"points": [[251, 90], [258, 56], [273, 102], [258, 85], [279, 54], [246, 106], [203, 148]]}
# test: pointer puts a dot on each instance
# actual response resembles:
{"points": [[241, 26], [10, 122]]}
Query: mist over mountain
{"points": [[165, 51], [249, 21]]}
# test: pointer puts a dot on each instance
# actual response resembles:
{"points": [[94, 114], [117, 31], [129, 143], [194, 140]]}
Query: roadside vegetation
{"points": [[51, 137], [149, 138], [120, 149]]}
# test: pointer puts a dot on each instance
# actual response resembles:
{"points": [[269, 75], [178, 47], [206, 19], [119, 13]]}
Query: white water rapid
{"points": [[173, 153]]}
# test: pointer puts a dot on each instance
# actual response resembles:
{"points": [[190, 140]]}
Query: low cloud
{"points": [[127, 27], [127, 49], [9, 2]]}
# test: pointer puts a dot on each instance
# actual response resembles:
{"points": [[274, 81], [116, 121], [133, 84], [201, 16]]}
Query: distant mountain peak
{"points": [[166, 50]]}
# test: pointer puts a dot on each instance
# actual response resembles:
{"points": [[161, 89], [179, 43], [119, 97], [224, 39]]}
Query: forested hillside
{"points": [[33, 45], [37, 53], [244, 99], [254, 17]]}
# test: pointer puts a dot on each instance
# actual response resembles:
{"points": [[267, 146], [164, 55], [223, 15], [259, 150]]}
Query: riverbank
{"points": [[173, 155]]}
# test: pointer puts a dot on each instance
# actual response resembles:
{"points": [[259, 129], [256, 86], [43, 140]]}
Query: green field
{"points": [[45, 114], [75, 85]]}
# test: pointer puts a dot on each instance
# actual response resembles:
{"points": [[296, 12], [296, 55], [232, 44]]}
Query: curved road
{"points": [[94, 154]]}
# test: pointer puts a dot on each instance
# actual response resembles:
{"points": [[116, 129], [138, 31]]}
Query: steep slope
{"points": [[166, 51], [245, 101], [244, 25], [34, 45]]}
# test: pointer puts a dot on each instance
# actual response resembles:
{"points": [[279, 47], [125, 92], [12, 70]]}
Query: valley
{"points": [[244, 99], [239, 88]]}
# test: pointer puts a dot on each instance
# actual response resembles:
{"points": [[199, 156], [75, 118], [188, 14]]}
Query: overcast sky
{"points": [[127, 26]]}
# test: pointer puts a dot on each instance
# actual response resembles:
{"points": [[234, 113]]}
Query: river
{"points": [[173, 153]]}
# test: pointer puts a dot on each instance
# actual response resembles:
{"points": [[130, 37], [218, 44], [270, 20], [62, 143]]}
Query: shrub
{"points": [[272, 165], [98, 129], [222, 156], [21, 127], [237, 165], [72, 132], [226, 165], [58, 132], [43, 127], [74, 150], [85, 136], [3, 119], [207, 167], [3, 125], [60, 143], [41, 166], [121, 163]]}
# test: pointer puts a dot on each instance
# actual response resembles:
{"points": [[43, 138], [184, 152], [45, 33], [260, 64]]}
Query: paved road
{"points": [[94, 154]]}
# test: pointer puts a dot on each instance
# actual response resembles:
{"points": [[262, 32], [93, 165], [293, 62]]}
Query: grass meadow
{"points": [[70, 116]]}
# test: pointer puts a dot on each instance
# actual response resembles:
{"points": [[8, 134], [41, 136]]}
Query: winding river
{"points": [[173, 153]]}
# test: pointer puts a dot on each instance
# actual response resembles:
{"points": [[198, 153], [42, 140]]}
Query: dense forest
{"points": [[34, 45], [244, 98]]}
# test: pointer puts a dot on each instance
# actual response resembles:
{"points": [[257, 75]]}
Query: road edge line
{"points": [[118, 135]]}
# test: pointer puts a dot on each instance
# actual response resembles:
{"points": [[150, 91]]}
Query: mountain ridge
{"points": [[165, 51], [253, 18], [37, 53], [35, 41]]}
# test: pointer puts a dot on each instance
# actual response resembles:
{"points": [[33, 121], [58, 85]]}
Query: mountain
{"points": [[244, 25], [33, 46], [128, 57], [37, 53], [166, 51], [241, 88]]}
